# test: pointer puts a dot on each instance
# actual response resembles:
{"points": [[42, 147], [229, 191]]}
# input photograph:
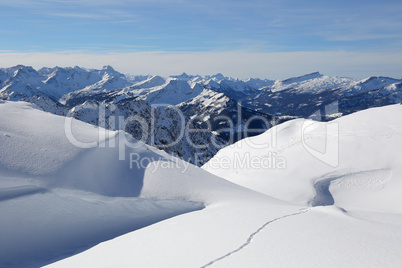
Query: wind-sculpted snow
{"points": [[76, 195], [43, 225], [20, 191], [58, 199], [358, 200], [66, 186], [366, 172]]}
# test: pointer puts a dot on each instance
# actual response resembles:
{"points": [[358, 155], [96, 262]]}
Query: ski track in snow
{"points": [[251, 237]]}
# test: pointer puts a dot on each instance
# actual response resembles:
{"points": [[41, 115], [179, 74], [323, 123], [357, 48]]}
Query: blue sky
{"points": [[139, 30]]}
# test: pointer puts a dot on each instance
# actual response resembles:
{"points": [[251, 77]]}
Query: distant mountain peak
{"points": [[108, 68], [302, 78], [378, 78], [19, 69], [217, 76], [183, 75]]}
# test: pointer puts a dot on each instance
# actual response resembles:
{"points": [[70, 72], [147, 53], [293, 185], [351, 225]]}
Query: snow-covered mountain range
{"points": [[218, 108]]}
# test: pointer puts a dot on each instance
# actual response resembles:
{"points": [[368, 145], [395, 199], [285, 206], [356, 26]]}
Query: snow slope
{"points": [[57, 199], [363, 228], [362, 149], [356, 219]]}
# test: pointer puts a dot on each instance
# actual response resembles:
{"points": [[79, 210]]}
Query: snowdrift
{"points": [[69, 206], [346, 209], [58, 199], [353, 162]]}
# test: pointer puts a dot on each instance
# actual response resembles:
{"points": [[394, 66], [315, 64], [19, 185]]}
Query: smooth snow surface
{"points": [[71, 207], [365, 146], [56, 199], [356, 219]]}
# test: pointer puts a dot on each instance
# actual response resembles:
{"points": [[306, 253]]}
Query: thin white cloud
{"points": [[357, 37], [32, 3], [240, 64], [70, 8], [79, 15]]}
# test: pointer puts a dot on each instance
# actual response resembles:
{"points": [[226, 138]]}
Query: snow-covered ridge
{"points": [[57, 82], [311, 83], [369, 84], [302, 78]]}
